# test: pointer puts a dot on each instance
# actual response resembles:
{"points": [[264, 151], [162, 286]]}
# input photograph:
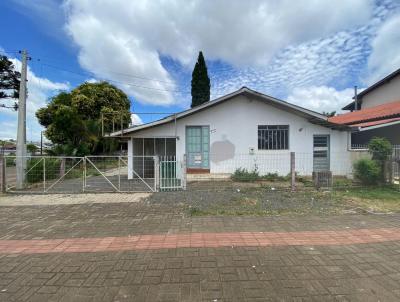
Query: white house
{"points": [[243, 129]]}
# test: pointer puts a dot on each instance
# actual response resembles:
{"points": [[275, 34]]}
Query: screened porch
{"points": [[144, 150]]}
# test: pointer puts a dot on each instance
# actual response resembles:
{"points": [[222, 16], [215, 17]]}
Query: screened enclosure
{"points": [[146, 148]]}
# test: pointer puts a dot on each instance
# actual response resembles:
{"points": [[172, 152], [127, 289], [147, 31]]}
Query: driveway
{"points": [[141, 251]]}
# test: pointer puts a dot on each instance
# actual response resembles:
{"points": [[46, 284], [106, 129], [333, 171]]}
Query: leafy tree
{"points": [[380, 148], [200, 82], [9, 80], [73, 119], [31, 148]]}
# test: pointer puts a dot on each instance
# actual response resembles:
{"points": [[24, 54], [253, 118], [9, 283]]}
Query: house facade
{"points": [[377, 112], [386, 90], [244, 129]]}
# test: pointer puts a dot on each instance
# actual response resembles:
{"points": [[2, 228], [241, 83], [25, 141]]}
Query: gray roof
{"points": [[312, 116]]}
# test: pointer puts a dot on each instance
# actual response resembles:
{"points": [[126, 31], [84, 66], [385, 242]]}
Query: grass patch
{"points": [[264, 202], [381, 199]]}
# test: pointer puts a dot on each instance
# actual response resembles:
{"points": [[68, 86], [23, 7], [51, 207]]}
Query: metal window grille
{"points": [[274, 137]]}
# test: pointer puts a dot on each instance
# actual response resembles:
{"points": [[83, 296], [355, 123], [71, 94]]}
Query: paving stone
{"points": [[368, 271]]}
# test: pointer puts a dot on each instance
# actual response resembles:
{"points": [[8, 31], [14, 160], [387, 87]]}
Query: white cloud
{"points": [[133, 39], [39, 90], [385, 56], [136, 120], [321, 98]]}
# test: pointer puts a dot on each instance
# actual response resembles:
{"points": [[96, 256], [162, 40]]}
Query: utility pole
{"points": [[21, 132], [41, 142]]}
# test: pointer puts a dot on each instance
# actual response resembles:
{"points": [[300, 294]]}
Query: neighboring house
{"points": [[386, 90], [243, 129], [382, 120], [377, 114]]}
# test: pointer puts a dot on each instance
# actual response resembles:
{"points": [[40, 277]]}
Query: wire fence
{"points": [[277, 171]]}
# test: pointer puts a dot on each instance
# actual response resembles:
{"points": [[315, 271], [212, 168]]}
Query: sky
{"points": [[308, 52]]}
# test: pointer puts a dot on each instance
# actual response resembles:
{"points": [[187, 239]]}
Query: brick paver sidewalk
{"points": [[198, 240], [140, 252]]}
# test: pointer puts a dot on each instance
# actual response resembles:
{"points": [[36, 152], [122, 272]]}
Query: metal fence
{"points": [[279, 170]]}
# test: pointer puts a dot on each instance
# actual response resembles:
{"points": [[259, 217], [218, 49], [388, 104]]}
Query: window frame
{"points": [[272, 146]]}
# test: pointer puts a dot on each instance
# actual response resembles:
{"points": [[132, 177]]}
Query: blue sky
{"points": [[308, 52]]}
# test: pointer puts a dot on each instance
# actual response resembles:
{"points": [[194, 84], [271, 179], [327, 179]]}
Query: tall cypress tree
{"points": [[200, 82], [9, 79]]}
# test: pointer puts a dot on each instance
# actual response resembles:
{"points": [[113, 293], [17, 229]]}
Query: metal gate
{"points": [[172, 173], [120, 174], [48, 174]]}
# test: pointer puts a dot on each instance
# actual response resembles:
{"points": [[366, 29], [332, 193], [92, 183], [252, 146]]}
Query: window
{"points": [[274, 137]]}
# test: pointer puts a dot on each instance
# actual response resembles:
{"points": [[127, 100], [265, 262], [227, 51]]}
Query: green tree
{"points": [[31, 148], [73, 119], [200, 82], [9, 80], [381, 149]]}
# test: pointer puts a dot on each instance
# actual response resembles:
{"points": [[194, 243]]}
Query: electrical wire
{"points": [[114, 81]]}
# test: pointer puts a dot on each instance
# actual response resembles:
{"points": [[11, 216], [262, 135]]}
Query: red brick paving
{"points": [[200, 240]]}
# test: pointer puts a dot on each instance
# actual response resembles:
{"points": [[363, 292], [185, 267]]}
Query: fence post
{"points": [[119, 173], [3, 172], [84, 175], [390, 171], [184, 172], [44, 174], [156, 173], [292, 171]]}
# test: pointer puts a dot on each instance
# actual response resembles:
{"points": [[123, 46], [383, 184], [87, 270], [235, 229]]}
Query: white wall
{"points": [[387, 93], [234, 130]]}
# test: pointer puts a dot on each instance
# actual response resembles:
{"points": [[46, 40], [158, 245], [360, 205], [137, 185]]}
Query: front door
{"points": [[197, 147], [321, 153]]}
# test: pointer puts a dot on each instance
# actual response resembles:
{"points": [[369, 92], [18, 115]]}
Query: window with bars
{"points": [[273, 137]]}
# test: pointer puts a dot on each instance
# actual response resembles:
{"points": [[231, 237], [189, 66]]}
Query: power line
{"points": [[126, 75], [114, 81]]}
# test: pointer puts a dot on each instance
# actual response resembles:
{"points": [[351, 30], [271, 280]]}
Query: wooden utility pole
{"points": [[21, 132]]}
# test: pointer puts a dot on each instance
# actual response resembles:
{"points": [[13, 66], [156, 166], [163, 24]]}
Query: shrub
{"points": [[367, 171], [380, 148], [242, 174], [275, 177]]}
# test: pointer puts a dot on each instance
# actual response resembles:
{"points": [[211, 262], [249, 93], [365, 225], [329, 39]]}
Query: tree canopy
{"points": [[73, 119], [200, 82], [9, 79]]}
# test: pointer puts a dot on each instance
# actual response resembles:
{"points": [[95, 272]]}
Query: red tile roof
{"points": [[375, 123], [384, 111]]}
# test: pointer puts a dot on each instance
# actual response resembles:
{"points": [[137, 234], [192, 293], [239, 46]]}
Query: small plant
{"points": [[367, 171], [244, 175], [275, 177]]}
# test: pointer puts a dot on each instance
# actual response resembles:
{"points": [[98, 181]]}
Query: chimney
{"points": [[355, 99]]}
